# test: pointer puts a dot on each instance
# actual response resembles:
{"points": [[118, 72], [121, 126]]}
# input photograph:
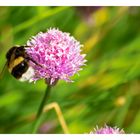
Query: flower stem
{"points": [[40, 110]]}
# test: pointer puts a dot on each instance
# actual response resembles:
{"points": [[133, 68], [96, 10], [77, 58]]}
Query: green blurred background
{"points": [[108, 88]]}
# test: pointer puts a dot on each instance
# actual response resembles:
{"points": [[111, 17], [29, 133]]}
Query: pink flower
{"points": [[57, 55], [107, 130]]}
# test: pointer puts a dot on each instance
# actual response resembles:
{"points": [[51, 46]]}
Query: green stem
{"points": [[40, 110]]}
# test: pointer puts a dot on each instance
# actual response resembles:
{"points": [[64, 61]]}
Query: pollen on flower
{"points": [[57, 54], [107, 130]]}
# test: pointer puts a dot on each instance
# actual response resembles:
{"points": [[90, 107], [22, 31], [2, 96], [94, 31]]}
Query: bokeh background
{"points": [[108, 88]]}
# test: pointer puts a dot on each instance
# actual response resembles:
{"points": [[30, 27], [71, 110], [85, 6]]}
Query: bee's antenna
{"points": [[3, 70]]}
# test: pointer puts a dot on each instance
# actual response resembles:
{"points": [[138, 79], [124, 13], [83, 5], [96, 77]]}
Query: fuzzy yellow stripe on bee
{"points": [[15, 62]]}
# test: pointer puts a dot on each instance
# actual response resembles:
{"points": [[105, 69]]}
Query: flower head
{"points": [[57, 55], [107, 130]]}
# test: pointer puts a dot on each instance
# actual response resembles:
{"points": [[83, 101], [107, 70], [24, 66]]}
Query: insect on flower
{"points": [[52, 55], [18, 63]]}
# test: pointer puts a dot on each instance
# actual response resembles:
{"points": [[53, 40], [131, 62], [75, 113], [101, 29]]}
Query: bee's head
{"points": [[17, 51]]}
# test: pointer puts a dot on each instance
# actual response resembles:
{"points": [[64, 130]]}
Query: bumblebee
{"points": [[18, 63]]}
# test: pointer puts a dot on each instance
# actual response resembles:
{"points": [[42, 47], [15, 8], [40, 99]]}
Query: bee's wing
{"points": [[3, 70]]}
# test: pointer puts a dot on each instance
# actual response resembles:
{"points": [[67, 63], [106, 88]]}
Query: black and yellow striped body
{"points": [[17, 62]]}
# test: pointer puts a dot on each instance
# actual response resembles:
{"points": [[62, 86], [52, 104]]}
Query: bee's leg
{"points": [[28, 58], [59, 113]]}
